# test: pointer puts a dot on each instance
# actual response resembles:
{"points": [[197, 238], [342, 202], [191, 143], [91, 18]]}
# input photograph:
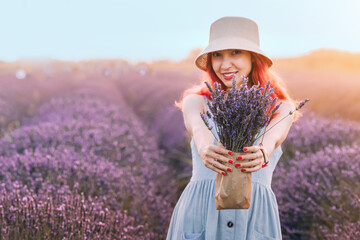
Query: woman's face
{"points": [[226, 63]]}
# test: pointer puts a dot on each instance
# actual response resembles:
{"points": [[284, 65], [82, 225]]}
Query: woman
{"points": [[233, 50]]}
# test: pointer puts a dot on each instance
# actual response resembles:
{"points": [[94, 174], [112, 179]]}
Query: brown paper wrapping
{"points": [[233, 191]]}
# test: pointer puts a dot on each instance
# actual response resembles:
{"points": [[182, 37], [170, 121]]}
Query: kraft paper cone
{"points": [[233, 191]]}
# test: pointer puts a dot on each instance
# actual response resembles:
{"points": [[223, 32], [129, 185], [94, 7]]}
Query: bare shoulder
{"points": [[192, 105], [194, 102]]}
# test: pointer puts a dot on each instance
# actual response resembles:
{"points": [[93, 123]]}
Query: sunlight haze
{"points": [[152, 30]]}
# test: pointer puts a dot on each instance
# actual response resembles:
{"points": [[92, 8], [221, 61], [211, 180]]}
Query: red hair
{"points": [[260, 73]]}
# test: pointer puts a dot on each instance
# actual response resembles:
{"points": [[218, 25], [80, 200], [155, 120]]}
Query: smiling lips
{"points": [[229, 75]]}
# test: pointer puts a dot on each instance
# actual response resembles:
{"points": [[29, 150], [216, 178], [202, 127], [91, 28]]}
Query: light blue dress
{"points": [[195, 215]]}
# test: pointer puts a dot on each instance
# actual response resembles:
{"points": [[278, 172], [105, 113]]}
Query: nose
{"points": [[226, 62]]}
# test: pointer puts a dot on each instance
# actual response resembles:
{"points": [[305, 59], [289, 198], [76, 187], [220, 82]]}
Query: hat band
{"points": [[231, 43]]}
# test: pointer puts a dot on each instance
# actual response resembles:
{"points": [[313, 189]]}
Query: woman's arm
{"points": [[272, 139], [277, 134], [192, 105]]}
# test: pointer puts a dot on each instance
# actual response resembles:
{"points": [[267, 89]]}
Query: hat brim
{"points": [[228, 43]]}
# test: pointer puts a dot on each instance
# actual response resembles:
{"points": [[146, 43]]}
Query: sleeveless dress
{"points": [[195, 215]]}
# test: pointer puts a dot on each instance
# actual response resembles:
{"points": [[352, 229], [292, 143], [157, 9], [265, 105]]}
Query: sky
{"points": [[150, 30]]}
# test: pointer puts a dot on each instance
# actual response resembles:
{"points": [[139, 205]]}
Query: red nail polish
{"points": [[223, 173], [238, 165], [231, 161], [245, 149], [239, 157], [229, 169], [230, 153], [243, 170]]}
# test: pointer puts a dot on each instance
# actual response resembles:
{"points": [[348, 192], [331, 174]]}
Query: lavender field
{"points": [[106, 156]]}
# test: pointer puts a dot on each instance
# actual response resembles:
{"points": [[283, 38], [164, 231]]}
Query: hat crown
{"points": [[234, 27]]}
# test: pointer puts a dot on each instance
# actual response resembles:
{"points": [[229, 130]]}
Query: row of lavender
{"points": [[82, 167], [315, 181]]}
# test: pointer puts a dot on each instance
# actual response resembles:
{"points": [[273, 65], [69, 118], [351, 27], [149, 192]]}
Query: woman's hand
{"points": [[252, 159], [211, 156]]}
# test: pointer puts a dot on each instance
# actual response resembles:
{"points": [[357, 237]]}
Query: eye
{"points": [[216, 54], [236, 51]]}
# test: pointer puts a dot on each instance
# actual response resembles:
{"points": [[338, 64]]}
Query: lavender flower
{"points": [[301, 104]]}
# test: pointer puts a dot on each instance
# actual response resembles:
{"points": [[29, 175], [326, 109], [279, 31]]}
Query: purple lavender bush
{"points": [[313, 132], [315, 181], [59, 215], [86, 143]]}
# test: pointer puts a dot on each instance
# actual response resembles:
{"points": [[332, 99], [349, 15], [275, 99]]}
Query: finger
{"points": [[251, 149], [220, 158], [219, 154], [252, 169], [216, 166], [252, 156], [221, 167], [257, 162]]}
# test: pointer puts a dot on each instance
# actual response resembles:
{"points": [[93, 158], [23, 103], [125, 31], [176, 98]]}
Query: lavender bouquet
{"points": [[239, 114]]}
